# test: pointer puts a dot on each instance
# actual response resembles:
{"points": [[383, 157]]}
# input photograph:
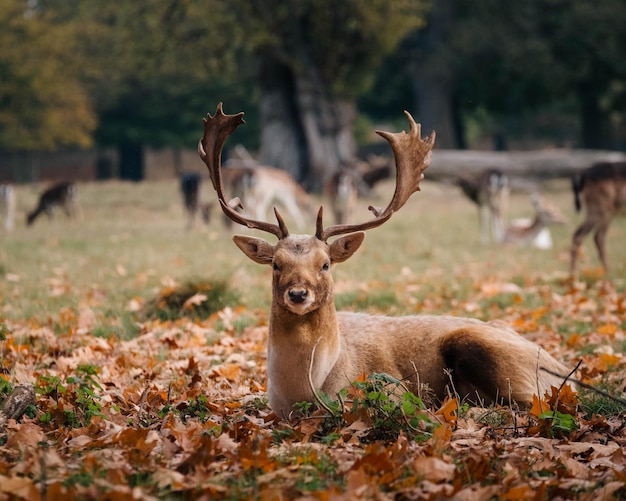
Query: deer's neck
{"points": [[526, 233], [535, 227], [299, 346]]}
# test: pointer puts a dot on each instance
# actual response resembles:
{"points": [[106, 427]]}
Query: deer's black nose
{"points": [[297, 295]]}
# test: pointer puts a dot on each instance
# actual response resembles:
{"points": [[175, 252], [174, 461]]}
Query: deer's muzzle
{"points": [[297, 296]]}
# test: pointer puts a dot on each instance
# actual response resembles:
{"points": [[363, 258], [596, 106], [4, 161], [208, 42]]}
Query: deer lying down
{"points": [[535, 232], [313, 347]]}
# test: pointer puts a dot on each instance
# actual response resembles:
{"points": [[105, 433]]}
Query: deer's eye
{"points": [[275, 267], [326, 266]]}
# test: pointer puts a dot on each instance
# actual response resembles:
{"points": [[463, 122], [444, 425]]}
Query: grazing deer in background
{"points": [[490, 191], [260, 187], [190, 183], [375, 169], [352, 181], [313, 347], [62, 194], [602, 188], [535, 232], [7, 205], [342, 191]]}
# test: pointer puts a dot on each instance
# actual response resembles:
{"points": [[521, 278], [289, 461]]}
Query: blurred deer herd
{"points": [[600, 190]]}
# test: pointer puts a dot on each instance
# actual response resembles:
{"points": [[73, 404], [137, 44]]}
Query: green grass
{"points": [[132, 242]]}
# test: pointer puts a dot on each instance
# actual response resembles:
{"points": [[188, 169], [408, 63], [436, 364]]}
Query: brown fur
{"points": [[603, 190], [259, 187], [486, 362], [62, 194], [312, 347], [489, 190]]}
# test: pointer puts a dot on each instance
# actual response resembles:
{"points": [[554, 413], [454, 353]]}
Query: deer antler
{"points": [[217, 128], [412, 155]]}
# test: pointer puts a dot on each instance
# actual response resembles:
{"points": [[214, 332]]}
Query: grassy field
{"points": [[132, 408], [132, 241]]}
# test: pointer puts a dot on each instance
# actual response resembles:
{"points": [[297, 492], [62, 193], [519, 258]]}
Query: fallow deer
{"points": [[63, 194], [489, 190], [602, 188], [313, 347], [342, 191], [190, 184], [7, 205], [536, 231], [352, 181], [259, 187]]}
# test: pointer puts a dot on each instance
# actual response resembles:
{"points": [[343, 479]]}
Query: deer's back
{"points": [[401, 345], [604, 185], [417, 348]]}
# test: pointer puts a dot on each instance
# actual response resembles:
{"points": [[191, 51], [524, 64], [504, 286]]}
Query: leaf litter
{"points": [[181, 411]]}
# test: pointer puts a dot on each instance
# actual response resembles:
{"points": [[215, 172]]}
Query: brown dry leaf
{"points": [[195, 300], [608, 329], [25, 435], [448, 410], [493, 288], [434, 469], [20, 488], [228, 371], [519, 493]]}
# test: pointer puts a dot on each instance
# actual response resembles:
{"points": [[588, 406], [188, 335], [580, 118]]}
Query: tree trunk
{"points": [[305, 130], [327, 124], [436, 111], [282, 140], [433, 81]]}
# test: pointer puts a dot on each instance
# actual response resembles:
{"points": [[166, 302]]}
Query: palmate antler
{"points": [[217, 128], [412, 156]]}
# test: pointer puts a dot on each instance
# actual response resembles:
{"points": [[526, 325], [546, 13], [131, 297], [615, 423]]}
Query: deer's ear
{"points": [[343, 247], [256, 249]]}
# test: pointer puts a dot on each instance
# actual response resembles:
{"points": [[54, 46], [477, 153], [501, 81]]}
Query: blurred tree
{"points": [[315, 58], [158, 66], [511, 57], [587, 43], [43, 105]]}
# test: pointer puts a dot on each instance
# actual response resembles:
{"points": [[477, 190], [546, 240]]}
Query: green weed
{"points": [[75, 400]]}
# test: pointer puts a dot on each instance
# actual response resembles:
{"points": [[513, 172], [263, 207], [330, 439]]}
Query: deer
{"points": [[536, 231], [7, 205], [353, 180], [259, 186], [342, 191], [62, 194], [312, 347], [601, 188], [489, 190], [190, 184]]}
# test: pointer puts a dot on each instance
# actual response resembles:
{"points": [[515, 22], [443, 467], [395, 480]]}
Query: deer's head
{"points": [[301, 277], [301, 264]]}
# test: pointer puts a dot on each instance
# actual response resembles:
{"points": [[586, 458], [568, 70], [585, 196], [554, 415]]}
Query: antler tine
{"points": [[412, 156], [217, 128]]}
